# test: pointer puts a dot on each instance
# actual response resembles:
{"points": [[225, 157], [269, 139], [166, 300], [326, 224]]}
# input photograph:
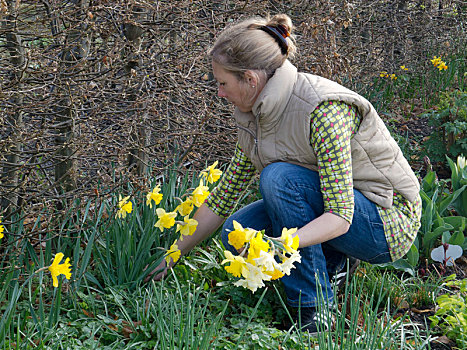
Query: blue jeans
{"points": [[292, 198]]}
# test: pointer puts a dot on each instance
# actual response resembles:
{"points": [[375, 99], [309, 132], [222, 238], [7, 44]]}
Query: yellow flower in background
{"points": [[238, 265], [257, 244], [124, 207], [200, 194], [438, 63], [154, 195], [442, 66], [436, 60], [211, 174], [385, 74], [188, 228], [185, 208], [290, 243], [404, 68], [57, 269], [173, 253], [1, 230], [166, 219]]}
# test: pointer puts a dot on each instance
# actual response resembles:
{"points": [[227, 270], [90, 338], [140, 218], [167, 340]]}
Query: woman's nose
{"points": [[221, 92]]}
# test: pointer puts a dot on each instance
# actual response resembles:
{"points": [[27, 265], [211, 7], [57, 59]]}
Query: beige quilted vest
{"points": [[278, 130]]}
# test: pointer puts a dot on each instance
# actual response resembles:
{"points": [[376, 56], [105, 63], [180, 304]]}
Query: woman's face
{"points": [[231, 88]]}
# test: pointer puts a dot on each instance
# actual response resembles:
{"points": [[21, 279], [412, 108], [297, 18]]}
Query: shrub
{"points": [[449, 119]]}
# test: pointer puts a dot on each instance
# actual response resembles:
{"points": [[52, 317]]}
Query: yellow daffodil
{"points": [[238, 265], [436, 60], [438, 63], [173, 253], [124, 207], [237, 237], [404, 68], [200, 194], [383, 74], [257, 244], [393, 77], [442, 66], [254, 280], [155, 196], [57, 269], [276, 274], [287, 265], [211, 174], [266, 262], [166, 220], [1, 230], [188, 228], [290, 243], [185, 208]]}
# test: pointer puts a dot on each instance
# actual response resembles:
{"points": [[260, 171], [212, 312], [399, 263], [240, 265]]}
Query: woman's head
{"points": [[252, 50]]}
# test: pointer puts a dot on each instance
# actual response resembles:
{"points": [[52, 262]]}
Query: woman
{"points": [[328, 164]]}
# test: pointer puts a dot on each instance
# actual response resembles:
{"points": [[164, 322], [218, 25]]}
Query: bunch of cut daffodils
{"points": [[261, 258]]}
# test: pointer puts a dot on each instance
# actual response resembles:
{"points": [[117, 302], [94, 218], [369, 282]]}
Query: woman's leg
{"points": [[292, 198]]}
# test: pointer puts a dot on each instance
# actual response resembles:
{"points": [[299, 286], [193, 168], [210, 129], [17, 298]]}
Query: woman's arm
{"points": [[322, 229], [332, 126], [208, 222]]}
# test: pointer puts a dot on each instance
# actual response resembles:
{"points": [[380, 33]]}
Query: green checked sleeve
{"points": [[235, 180], [333, 123]]}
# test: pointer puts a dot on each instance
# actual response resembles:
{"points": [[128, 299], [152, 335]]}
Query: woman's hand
{"points": [[208, 222], [163, 270]]}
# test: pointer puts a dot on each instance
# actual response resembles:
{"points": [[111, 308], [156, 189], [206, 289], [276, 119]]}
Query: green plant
{"points": [[459, 183], [127, 248], [437, 223], [451, 315], [449, 121]]}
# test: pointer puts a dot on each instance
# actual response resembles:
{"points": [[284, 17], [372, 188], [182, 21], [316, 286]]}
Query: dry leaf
{"points": [[417, 311]]}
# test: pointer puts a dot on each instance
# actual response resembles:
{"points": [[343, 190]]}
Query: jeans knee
{"points": [[226, 228], [271, 178]]}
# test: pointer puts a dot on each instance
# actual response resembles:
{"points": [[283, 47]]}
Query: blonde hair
{"points": [[243, 46]]}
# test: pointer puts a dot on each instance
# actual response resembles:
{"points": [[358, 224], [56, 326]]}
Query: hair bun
{"points": [[283, 20]]}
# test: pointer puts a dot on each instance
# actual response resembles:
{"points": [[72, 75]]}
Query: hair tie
{"points": [[279, 33]]}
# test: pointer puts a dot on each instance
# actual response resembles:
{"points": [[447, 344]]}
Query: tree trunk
{"points": [[75, 48], [14, 119], [139, 136]]}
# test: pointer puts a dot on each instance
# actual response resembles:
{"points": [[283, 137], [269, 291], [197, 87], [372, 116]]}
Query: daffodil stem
{"points": [[41, 269]]}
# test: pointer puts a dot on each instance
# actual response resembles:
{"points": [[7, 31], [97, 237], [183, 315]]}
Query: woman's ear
{"points": [[251, 78]]}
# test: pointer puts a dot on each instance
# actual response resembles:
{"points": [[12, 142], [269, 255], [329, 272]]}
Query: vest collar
{"points": [[271, 102]]}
